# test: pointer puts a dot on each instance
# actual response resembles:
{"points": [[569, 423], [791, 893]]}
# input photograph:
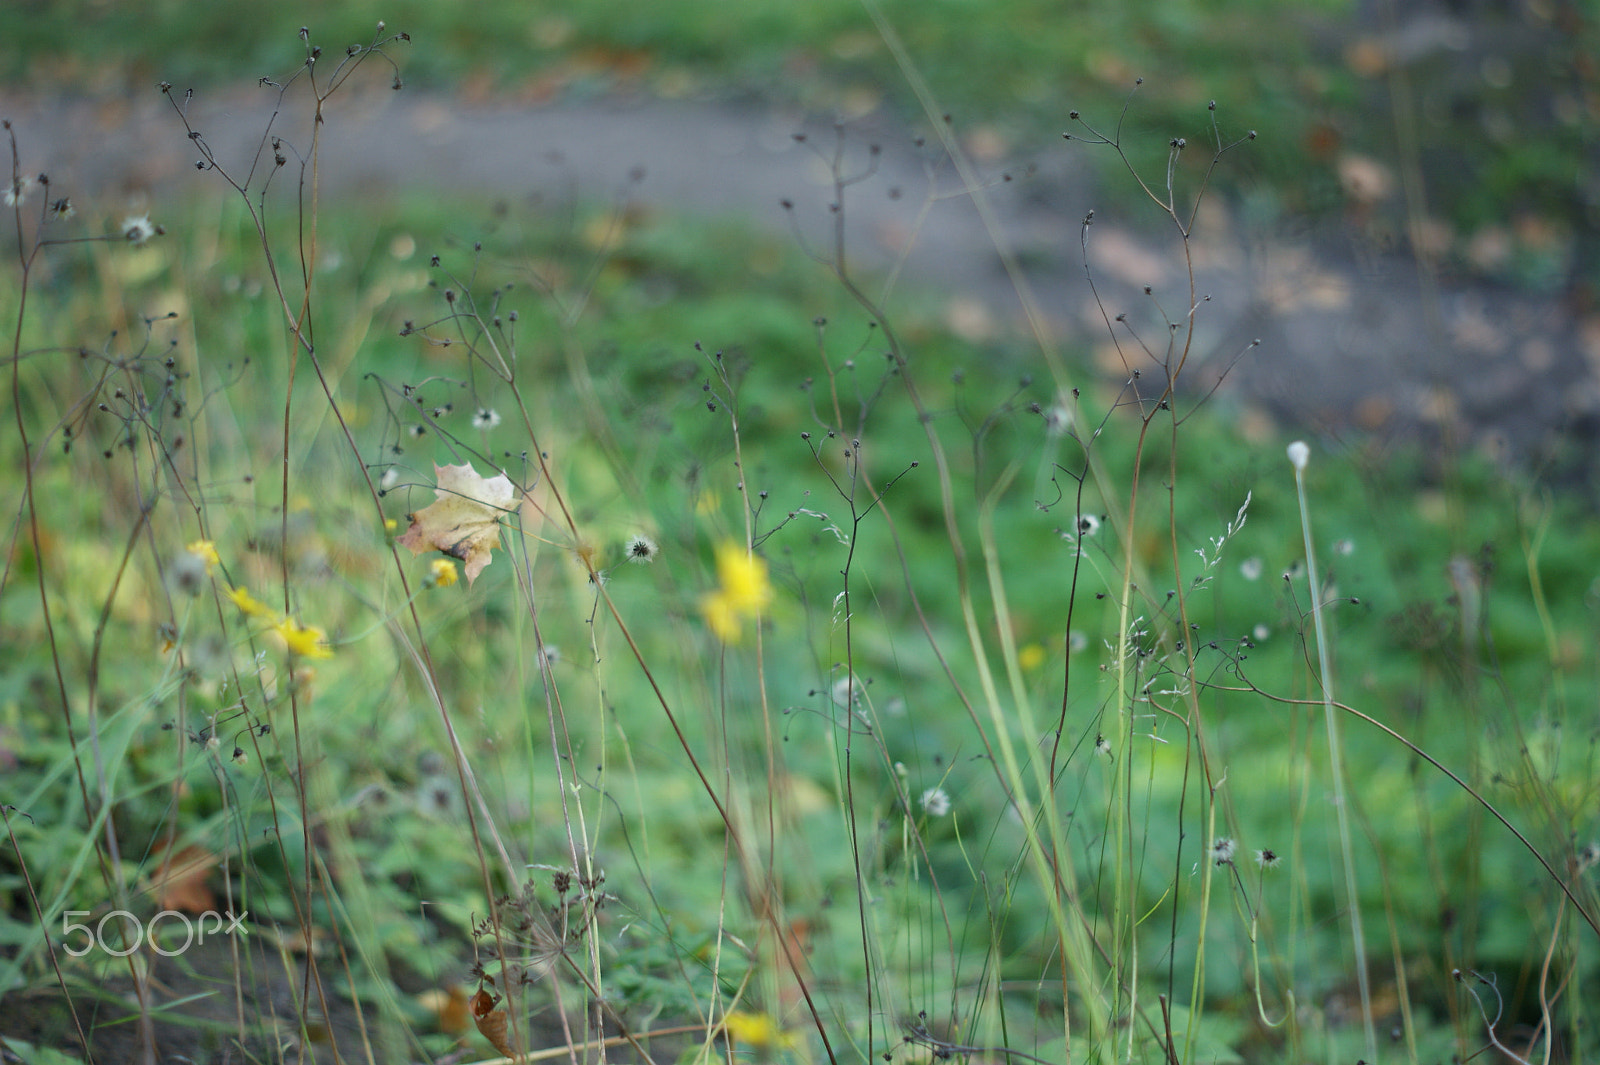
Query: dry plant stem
{"points": [[1172, 363], [1545, 998], [860, 478], [795, 963], [973, 187], [1493, 811], [299, 330], [767, 892], [722, 809], [593, 1044], [108, 857], [661, 699], [299, 326], [504, 370], [1490, 1026], [1046, 860], [6, 811], [1123, 525]]}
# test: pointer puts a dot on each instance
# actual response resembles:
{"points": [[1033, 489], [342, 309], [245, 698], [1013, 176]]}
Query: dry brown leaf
{"points": [[464, 521], [179, 882], [449, 1006], [491, 1021]]}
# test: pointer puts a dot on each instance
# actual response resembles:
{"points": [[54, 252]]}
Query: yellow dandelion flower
{"points": [[742, 594], [307, 641], [248, 604], [757, 1030], [442, 572], [205, 551], [721, 616], [743, 577]]}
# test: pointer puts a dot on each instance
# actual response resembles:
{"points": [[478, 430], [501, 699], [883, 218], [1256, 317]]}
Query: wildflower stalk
{"points": [[1299, 455]]}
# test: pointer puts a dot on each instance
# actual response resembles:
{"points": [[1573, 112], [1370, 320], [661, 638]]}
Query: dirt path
{"points": [[1352, 341]]}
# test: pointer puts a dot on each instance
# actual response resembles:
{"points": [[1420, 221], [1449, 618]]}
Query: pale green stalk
{"points": [[1299, 454], [1070, 931]]}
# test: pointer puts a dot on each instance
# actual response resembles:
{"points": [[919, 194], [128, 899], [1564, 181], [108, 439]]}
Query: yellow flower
{"points": [[442, 572], [744, 578], [721, 616], [1031, 657], [307, 641], [248, 604], [743, 592], [205, 551], [756, 1030]]}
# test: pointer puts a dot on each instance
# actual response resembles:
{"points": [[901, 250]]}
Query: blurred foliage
{"points": [[1491, 107]]}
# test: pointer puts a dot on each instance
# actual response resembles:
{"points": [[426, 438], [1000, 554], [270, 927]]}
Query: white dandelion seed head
{"points": [[1267, 859], [1222, 849], [136, 228], [1102, 746], [1344, 547], [1299, 454], [936, 801], [548, 655], [1250, 568], [846, 691], [437, 796], [640, 550], [1057, 420], [1260, 632], [17, 191], [187, 574], [485, 418], [1083, 527]]}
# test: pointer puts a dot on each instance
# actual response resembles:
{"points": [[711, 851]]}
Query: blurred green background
{"points": [[1465, 130], [1462, 128]]}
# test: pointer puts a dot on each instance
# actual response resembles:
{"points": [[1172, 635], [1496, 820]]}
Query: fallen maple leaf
{"points": [[464, 521]]}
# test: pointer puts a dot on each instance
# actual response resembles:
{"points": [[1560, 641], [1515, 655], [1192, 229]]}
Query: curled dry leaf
{"points": [[491, 1021], [464, 521]]}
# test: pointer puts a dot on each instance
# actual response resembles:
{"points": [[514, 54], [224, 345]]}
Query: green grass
{"points": [[736, 798]]}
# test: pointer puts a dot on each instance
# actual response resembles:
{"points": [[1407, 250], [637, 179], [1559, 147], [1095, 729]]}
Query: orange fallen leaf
{"points": [[464, 521], [449, 1006], [179, 882]]}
